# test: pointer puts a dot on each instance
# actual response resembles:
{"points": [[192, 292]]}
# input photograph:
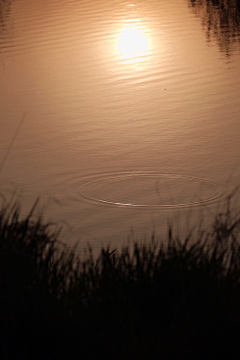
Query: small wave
{"points": [[150, 190]]}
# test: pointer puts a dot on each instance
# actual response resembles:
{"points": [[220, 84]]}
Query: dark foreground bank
{"points": [[178, 301]]}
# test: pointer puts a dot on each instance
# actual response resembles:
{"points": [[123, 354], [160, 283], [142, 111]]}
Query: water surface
{"points": [[127, 103]]}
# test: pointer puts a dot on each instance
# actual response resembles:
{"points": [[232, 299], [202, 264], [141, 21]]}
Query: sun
{"points": [[132, 43]]}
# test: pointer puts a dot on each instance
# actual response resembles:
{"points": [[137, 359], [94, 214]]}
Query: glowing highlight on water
{"points": [[132, 43]]}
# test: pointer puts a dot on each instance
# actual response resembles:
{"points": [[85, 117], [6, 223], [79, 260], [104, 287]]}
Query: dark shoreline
{"points": [[159, 301]]}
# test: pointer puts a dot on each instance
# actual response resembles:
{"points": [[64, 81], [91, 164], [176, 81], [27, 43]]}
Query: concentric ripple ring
{"points": [[150, 190]]}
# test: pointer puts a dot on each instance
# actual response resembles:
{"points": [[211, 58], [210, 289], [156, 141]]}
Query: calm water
{"points": [[132, 110]]}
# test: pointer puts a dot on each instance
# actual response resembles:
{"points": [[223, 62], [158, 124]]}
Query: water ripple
{"points": [[150, 190]]}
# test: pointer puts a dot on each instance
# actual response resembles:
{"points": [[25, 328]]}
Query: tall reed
{"points": [[159, 300]]}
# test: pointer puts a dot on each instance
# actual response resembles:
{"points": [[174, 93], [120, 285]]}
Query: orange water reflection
{"points": [[132, 42]]}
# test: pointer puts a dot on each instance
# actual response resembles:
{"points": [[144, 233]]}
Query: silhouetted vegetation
{"points": [[174, 300], [221, 20]]}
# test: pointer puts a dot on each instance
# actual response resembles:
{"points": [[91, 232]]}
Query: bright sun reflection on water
{"points": [[132, 43]]}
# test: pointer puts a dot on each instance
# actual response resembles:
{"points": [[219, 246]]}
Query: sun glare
{"points": [[132, 43]]}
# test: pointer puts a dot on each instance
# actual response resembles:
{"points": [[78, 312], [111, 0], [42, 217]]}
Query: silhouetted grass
{"points": [[174, 300]]}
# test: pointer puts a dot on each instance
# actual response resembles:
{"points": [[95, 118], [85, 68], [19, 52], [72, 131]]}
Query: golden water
{"points": [[132, 110]]}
